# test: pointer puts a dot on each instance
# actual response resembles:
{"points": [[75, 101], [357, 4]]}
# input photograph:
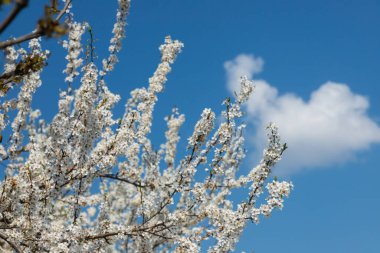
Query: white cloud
{"points": [[326, 130]]}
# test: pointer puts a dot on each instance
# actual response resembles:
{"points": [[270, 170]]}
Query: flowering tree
{"points": [[90, 182]]}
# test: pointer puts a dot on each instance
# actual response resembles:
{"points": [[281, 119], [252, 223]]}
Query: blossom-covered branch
{"points": [[89, 181]]}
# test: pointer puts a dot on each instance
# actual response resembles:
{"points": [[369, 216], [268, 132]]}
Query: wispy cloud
{"points": [[328, 129]]}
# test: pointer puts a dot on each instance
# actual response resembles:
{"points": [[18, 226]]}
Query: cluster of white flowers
{"points": [[74, 49], [11, 56], [118, 35], [31, 82], [174, 122], [246, 89], [169, 52], [202, 129], [91, 182], [277, 191], [233, 109]]}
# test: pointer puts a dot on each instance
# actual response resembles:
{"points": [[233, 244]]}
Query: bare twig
{"points": [[37, 33], [62, 12], [20, 4], [14, 246]]}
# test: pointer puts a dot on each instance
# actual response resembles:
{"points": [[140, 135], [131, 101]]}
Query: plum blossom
{"points": [[89, 180]]}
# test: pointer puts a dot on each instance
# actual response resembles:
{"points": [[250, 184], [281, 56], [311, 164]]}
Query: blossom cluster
{"points": [[74, 49], [88, 181], [119, 33]]}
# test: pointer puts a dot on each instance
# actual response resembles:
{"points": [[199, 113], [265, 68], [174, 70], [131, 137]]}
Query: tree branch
{"points": [[116, 177], [135, 232], [37, 33], [20, 4], [14, 246], [103, 236], [62, 12]]}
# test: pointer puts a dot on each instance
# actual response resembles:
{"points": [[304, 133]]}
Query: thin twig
{"points": [[62, 12], [76, 207], [135, 232], [20, 4], [37, 33], [116, 177], [103, 236]]}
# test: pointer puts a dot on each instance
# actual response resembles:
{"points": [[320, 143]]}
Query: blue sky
{"points": [[303, 45]]}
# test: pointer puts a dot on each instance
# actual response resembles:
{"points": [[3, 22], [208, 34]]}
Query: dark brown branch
{"points": [[116, 177], [7, 227], [104, 236], [14, 246], [76, 207], [36, 34], [20, 4], [135, 232]]}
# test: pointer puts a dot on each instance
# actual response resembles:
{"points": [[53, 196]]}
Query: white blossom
{"points": [[174, 122], [92, 181], [11, 56], [245, 90], [118, 35], [74, 49]]}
